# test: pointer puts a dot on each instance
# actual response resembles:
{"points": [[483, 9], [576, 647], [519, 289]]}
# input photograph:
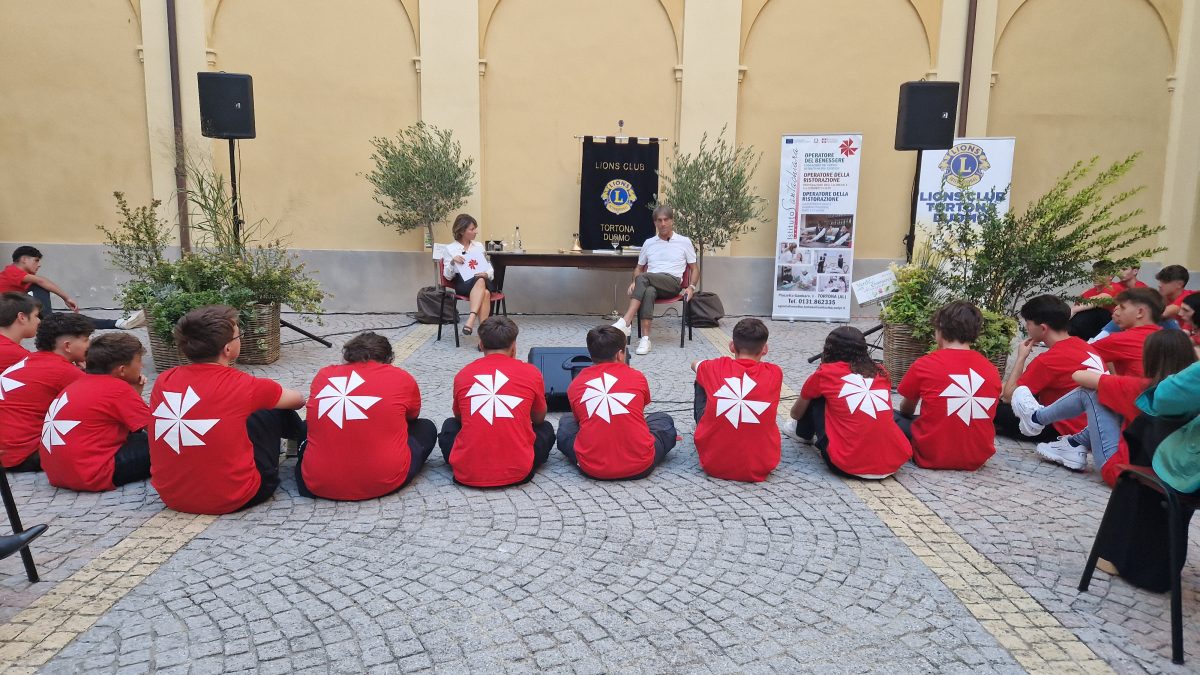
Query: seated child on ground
{"points": [[22, 277], [1109, 402], [1048, 377], [29, 386], [365, 438], [1171, 281], [499, 434], [606, 434], [94, 436], [737, 400], [1138, 312], [19, 319], [957, 388], [217, 430], [1089, 316], [847, 405]]}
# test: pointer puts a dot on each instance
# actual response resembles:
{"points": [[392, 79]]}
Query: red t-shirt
{"points": [[1116, 287], [958, 390], [609, 400], [85, 427], [1048, 376], [26, 389], [10, 352], [358, 430], [1179, 298], [737, 438], [1097, 290], [1124, 349], [201, 459], [12, 280], [863, 437], [494, 397], [1119, 393]]}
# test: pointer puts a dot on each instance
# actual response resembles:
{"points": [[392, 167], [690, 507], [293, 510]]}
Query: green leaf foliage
{"points": [[140, 240]]}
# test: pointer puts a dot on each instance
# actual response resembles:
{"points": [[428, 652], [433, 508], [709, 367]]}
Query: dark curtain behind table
{"points": [[617, 183]]}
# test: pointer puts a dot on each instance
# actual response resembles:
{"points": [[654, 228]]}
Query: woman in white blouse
{"points": [[478, 285]]}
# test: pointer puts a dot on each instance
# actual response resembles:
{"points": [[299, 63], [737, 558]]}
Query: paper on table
{"points": [[473, 263]]}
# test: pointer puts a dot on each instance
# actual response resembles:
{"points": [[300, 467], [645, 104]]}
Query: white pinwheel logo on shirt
{"points": [[170, 424], [601, 401], [336, 400], [487, 400], [860, 397], [962, 401], [53, 429], [733, 404], [7, 384], [1094, 363]]}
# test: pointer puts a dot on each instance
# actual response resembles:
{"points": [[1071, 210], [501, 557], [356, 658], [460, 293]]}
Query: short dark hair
{"points": [[1165, 353], [112, 350], [1048, 309], [368, 346], [61, 324], [604, 343], [750, 336], [1193, 300], [202, 333], [847, 344], [22, 251], [958, 321], [1102, 266], [1173, 273], [1146, 297], [497, 332], [12, 304]]}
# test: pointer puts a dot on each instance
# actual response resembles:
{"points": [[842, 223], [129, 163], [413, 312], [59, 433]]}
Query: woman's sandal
{"points": [[467, 329]]}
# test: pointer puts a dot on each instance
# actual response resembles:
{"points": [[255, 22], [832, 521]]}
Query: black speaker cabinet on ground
{"points": [[560, 365], [226, 105], [925, 116]]}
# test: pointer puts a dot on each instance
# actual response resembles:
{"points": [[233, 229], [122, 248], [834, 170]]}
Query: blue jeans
{"points": [[1112, 327], [1103, 433]]}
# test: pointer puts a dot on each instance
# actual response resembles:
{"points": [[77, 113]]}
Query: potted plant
{"points": [[907, 316]]}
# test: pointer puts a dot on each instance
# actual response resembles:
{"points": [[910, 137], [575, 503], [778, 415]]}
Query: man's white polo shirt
{"points": [[671, 256]]}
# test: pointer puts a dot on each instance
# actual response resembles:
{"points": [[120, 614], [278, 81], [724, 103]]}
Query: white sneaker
{"points": [[622, 325], [135, 320], [1099, 336], [1073, 457], [789, 430], [1024, 405], [643, 347]]}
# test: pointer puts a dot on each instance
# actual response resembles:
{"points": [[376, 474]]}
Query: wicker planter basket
{"points": [[900, 349], [164, 352], [1001, 363], [260, 336]]}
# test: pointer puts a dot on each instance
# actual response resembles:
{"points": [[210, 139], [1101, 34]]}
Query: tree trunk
{"points": [[429, 237], [699, 268]]}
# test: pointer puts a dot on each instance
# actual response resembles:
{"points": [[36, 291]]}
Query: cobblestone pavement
{"points": [[931, 572]]}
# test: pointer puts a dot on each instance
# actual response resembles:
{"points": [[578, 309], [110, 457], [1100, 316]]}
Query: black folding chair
{"points": [[20, 538]]}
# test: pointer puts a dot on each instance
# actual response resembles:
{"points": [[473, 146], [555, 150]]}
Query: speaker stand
{"points": [[237, 219], [910, 239], [310, 336]]}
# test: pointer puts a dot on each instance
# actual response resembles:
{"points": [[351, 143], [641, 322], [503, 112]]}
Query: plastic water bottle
{"points": [[517, 239]]}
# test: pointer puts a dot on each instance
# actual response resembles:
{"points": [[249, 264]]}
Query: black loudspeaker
{"points": [[560, 365], [226, 105], [925, 116]]}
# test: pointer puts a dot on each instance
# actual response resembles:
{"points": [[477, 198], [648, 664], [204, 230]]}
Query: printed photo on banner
{"points": [[790, 254], [820, 230], [795, 278], [832, 283], [831, 261]]}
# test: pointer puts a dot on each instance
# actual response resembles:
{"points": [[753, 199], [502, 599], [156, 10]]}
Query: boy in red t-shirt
{"points": [[1048, 377], [94, 435], [19, 319], [1171, 282], [1094, 310], [1137, 313], [606, 435], [29, 386], [22, 277], [847, 406], [737, 400], [498, 435], [365, 438], [957, 388], [217, 430]]}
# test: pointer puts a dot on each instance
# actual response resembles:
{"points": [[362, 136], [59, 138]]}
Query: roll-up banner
{"points": [[617, 182], [818, 208], [957, 184]]}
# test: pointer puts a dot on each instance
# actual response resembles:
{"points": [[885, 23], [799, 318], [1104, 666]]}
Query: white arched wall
{"points": [[1072, 83], [558, 69], [803, 76], [326, 80]]}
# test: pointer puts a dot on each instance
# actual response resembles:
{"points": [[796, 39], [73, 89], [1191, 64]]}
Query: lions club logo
{"points": [[618, 196], [964, 165]]}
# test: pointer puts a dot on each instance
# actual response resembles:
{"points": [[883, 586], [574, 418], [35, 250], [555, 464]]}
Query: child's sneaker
{"points": [[1074, 457], [1024, 405], [789, 429]]}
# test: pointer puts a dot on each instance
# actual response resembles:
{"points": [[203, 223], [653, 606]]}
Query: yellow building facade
{"points": [[87, 110]]}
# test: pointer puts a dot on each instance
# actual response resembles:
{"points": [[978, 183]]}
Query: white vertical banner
{"points": [[818, 207], [957, 184]]}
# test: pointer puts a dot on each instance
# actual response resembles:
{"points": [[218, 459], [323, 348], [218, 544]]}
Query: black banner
{"points": [[618, 180]]}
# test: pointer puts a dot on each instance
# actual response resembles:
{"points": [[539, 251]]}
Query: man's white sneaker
{"points": [[1074, 457], [1024, 405], [622, 325], [135, 320], [789, 430], [643, 347]]}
